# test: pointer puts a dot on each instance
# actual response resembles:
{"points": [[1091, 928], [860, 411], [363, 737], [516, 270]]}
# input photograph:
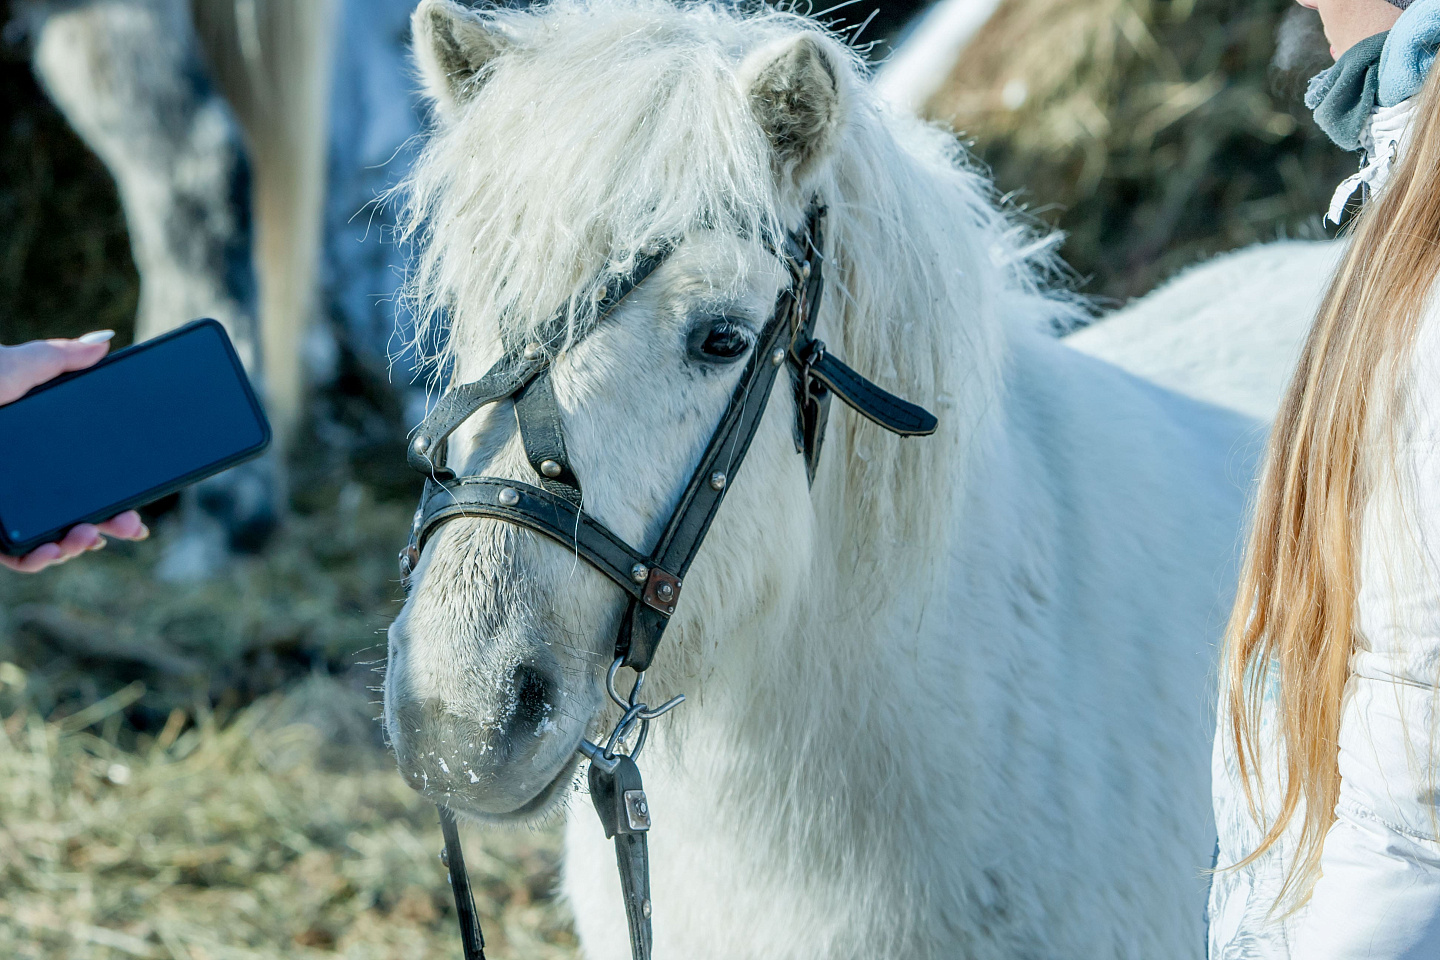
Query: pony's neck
{"points": [[927, 292], [801, 715]]}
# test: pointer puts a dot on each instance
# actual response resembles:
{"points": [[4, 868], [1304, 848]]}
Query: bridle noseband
{"points": [[552, 506]]}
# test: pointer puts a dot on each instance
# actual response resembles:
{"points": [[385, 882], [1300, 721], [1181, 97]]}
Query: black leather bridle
{"points": [[552, 506]]}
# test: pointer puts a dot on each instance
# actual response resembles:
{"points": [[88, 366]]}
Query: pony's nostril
{"points": [[532, 691]]}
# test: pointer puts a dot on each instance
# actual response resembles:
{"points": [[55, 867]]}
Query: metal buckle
{"points": [[410, 556], [809, 355]]}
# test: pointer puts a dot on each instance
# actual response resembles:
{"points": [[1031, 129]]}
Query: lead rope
{"points": [[619, 797], [454, 859], [618, 793]]}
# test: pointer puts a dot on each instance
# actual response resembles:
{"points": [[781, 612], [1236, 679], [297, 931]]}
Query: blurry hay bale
{"points": [[1154, 132], [235, 841]]}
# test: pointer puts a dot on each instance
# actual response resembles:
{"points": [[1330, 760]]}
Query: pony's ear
{"points": [[796, 96], [452, 44]]}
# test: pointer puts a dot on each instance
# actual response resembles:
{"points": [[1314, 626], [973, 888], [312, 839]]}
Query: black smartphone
{"points": [[139, 425]]}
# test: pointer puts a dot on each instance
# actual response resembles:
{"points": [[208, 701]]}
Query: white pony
{"points": [[952, 700]]}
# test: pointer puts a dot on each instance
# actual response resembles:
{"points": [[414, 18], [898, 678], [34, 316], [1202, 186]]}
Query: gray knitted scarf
{"points": [[1343, 97]]}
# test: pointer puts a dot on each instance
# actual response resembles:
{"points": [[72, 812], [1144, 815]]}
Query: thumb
{"points": [[27, 366]]}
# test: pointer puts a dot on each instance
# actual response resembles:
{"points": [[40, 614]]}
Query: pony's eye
{"points": [[720, 340]]}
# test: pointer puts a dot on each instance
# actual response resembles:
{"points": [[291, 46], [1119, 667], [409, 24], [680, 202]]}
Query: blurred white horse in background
{"points": [[211, 116], [1227, 331]]}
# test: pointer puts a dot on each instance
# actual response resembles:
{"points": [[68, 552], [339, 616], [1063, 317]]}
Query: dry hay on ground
{"points": [[1154, 132], [318, 599], [159, 798], [244, 840]]}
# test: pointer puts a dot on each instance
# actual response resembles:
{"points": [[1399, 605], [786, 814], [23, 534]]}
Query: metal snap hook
{"points": [[633, 700], [635, 712]]}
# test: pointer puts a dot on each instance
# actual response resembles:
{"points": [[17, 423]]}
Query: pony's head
{"points": [[566, 140]]}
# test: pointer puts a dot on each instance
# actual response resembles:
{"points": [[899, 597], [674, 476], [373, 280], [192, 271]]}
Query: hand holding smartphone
{"points": [[93, 443], [24, 367]]}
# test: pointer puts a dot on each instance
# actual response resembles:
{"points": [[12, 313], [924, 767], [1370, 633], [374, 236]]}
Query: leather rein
{"points": [[552, 507]]}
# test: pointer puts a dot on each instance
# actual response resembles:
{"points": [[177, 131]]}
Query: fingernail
{"points": [[99, 544], [144, 533], [98, 336]]}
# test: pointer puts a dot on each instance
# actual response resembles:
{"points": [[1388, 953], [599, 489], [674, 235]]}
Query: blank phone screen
{"points": [[114, 433]]}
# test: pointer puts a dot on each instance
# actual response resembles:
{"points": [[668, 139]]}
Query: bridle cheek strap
{"points": [[552, 507]]}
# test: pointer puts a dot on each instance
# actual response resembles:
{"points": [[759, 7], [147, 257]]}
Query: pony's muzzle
{"points": [[493, 756]]}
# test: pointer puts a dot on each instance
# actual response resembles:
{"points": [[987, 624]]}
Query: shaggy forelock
{"points": [[582, 143]]}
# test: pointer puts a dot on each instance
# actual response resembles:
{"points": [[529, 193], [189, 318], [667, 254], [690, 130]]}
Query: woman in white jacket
{"points": [[1327, 751]]}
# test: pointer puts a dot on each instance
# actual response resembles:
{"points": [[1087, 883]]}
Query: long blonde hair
{"points": [[1295, 609]]}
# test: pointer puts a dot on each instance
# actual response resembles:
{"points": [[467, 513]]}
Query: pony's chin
{"points": [[543, 806]]}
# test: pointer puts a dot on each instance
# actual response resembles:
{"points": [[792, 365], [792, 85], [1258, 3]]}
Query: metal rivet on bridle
{"points": [[639, 573], [550, 468], [421, 444], [717, 481], [532, 350], [509, 497], [778, 357], [664, 591], [649, 250], [805, 269], [600, 294], [645, 908], [445, 856]]}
